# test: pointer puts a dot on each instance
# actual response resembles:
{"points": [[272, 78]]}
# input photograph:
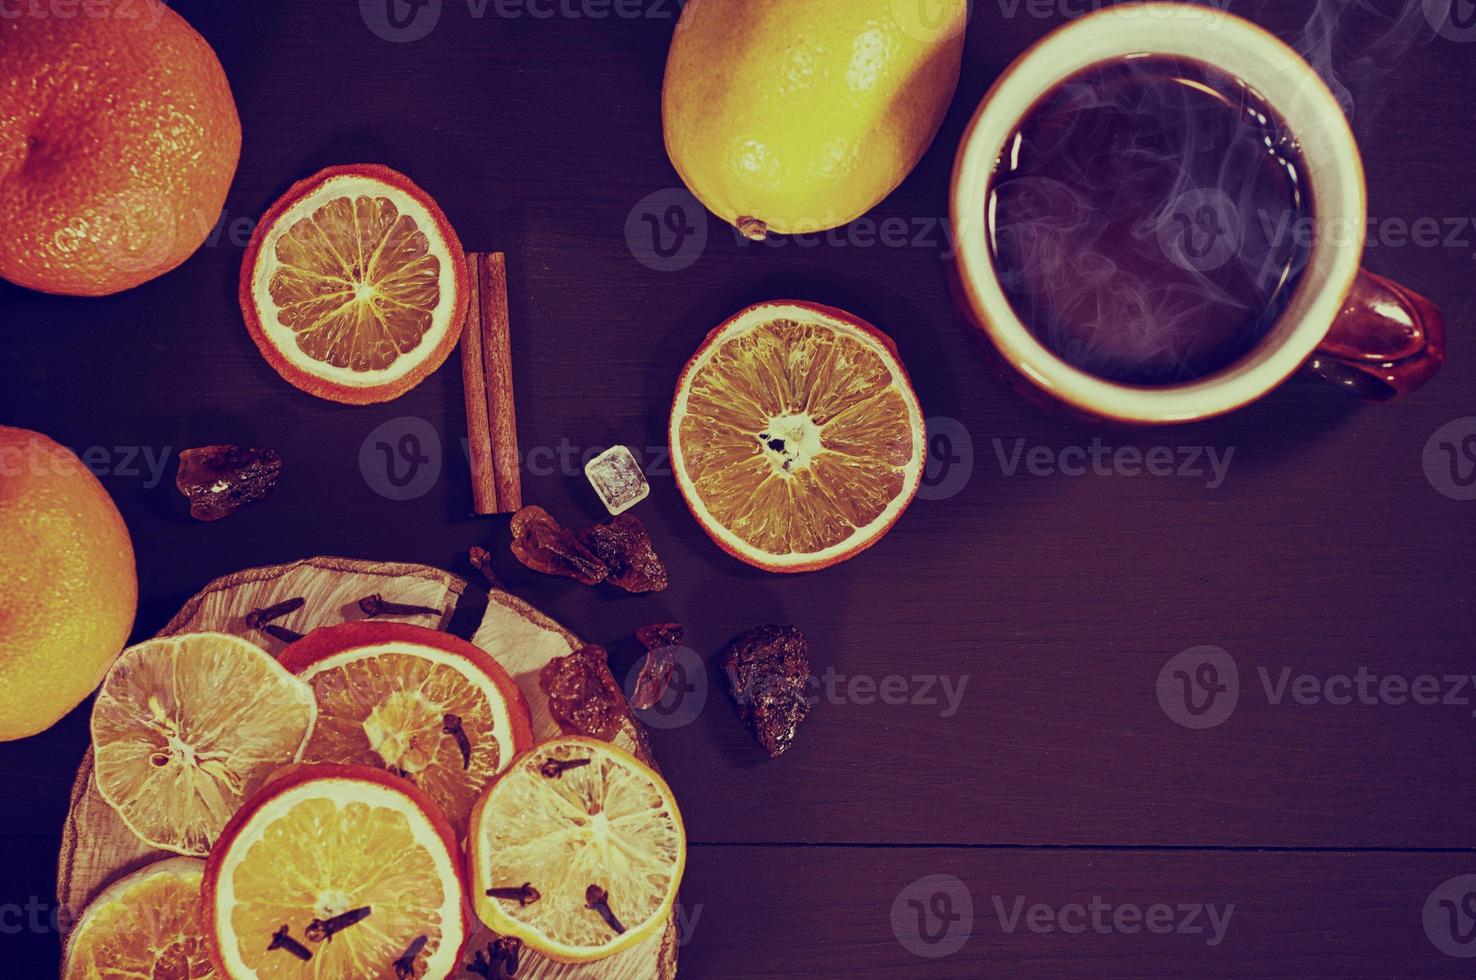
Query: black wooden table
{"points": [[994, 781]]}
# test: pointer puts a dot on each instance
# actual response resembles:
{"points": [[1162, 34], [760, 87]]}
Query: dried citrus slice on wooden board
{"points": [[145, 925], [577, 850], [425, 705], [336, 871], [796, 437], [186, 727], [355, 285]]}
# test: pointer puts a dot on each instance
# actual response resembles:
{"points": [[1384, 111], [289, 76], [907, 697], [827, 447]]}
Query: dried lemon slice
{"points": [[186, 727], [578, 850]]}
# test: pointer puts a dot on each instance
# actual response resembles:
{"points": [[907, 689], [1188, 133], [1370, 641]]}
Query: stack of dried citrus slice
{"points": [[796, 438], [347, 863]]}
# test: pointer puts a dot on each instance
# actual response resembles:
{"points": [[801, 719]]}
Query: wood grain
{"points": [[1326, 914]]}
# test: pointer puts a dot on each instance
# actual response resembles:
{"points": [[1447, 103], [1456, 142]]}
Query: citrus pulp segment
{"points": [[145, 925]]}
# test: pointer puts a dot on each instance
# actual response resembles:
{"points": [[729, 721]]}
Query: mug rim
{"points": [[1336, 178]]}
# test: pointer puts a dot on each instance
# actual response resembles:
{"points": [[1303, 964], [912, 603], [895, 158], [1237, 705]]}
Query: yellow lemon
{"points": [[797, 117]]}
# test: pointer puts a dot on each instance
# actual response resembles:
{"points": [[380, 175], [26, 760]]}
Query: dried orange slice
{"points": [[146, 925], [427, 706], [354, 285], [577, 850], [336, 871], [796, 438], [186, 727]]}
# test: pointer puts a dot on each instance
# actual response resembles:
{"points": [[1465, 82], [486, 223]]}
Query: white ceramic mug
{"points": [[1351, 327]]}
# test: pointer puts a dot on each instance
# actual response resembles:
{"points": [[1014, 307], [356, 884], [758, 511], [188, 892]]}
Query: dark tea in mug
{"points": [[1148, 220]]}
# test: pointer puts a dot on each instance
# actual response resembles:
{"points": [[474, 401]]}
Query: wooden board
{"points": [[97, 848]]}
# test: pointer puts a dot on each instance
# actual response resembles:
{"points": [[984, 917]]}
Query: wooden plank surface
{"points": [[798, 911], [793, 912], [1049, 603]]}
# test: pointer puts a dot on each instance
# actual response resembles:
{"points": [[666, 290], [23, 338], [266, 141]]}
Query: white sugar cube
{"points": [[617, 478]]}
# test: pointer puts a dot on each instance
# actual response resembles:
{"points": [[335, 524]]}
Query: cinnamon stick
{"points": [[486, 372]]}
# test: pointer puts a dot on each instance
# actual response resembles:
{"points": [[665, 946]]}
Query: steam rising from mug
{"points": [[1148, 220], [1355, 45]]}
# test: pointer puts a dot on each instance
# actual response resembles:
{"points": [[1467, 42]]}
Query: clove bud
{"points": [[257, 618], [555, 768], [405, 965], [508, 949], [452, 726], [481, 560], [597, 899], [281, 632], [322, 930], [282, 939], [524, 894], [378, 605]]}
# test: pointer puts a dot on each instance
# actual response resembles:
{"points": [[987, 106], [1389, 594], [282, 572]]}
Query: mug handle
{"points": [[1387, 341]]}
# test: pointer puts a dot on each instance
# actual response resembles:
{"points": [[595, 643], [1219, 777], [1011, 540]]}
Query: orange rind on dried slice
{"points": [[145, 925], [354, 285], [796, 437], [425, 705], [336, 871], [186, 727], [577, 850]]}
